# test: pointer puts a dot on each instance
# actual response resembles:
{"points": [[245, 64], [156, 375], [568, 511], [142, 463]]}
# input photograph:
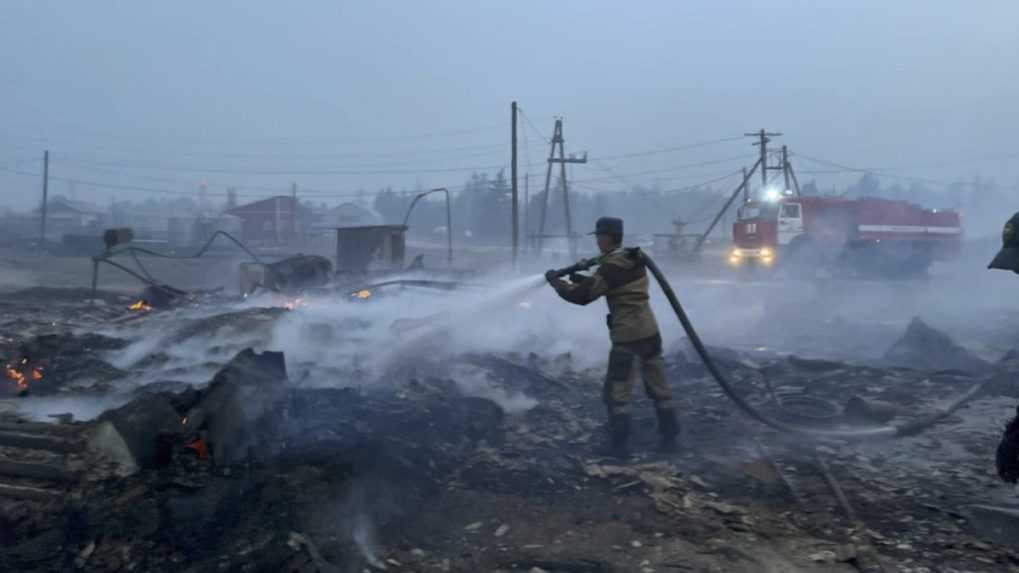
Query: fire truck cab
{"points": [[864, 236]]}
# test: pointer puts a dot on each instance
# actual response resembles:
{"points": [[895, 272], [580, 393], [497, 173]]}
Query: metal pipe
{"points": [[449, 218]]}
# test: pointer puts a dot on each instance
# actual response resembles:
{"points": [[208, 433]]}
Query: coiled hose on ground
{"points": [[880, 432]]}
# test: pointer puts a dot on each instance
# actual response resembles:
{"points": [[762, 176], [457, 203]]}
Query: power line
{"points": [[667, 169], [117, 186], [527, 120], [84, 161], [607, 169], [188, 141], [440, 153], [690, 187], [243, 171], [847, 169], [672, 149], [272, 192]]}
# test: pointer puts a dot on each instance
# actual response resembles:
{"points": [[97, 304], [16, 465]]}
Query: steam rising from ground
{"points": [[334, 342]]}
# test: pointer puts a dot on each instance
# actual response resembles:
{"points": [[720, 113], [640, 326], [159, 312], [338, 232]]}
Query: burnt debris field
{"points": [[409, 428]]}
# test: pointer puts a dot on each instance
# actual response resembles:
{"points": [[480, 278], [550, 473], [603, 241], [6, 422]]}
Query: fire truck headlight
{"points": [[772, 194], [735, 256], [766, 253]]}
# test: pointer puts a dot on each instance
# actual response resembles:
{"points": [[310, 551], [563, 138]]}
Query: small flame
{"points": [[362, 294], [20, 374], [141, 305], [198, 446], [17, 376]]}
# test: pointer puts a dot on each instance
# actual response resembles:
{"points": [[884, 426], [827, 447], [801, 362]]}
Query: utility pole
{"points": [[746, 188], [787, 170], [513, 172], [562, 160], [785, 167], [763, 137], [293, 213], [548, 179], [45, 195], [527, 208], [718, 217]]}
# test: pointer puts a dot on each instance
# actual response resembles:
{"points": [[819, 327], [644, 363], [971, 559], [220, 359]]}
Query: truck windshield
{"points": [[758, 210]]}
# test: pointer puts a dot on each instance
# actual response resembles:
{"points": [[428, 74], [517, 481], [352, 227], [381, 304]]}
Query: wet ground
{"points": [[435, 454]]}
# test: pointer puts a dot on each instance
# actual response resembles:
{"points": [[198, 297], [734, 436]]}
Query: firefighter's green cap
{"points": [[608, 226], [1008, 257]]}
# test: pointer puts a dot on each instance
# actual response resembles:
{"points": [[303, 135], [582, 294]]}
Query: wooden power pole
{"points": [[787, 170], [45, 195], [763, 137], [513, 175], [562, 160], [527, 209], [785, 167]]}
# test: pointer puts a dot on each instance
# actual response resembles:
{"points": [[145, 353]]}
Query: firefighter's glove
{"points": [[1007, 456], [577, 278], [551, 276]]}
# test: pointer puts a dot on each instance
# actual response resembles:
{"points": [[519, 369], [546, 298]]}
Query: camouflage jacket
{"points": [[622, 279]]}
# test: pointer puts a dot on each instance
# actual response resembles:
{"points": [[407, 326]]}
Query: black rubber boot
{"points": [[668, 429], [619, 435]]}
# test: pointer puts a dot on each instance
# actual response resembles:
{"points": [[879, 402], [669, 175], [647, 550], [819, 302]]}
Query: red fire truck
{"points": [[867, 236]]}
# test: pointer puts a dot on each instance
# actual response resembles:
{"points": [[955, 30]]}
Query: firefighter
{"points": [[1007, 456], [622, 279]]}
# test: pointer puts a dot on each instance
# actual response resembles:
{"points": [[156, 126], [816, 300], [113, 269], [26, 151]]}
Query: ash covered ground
{"points": [[425, 430]]}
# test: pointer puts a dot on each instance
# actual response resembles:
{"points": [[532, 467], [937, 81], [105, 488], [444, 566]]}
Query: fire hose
{"points": [[880, 432]]}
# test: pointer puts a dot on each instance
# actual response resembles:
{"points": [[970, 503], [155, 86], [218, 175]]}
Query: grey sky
{"points": [[207, 90]]}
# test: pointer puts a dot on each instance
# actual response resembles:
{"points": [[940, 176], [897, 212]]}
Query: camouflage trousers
{"points": [[627, 361]]}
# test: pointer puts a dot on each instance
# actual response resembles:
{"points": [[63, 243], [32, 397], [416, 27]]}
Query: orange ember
{"points": [[20, 374], [141, 305], [200, 449], [362, 294], [16, 375]]}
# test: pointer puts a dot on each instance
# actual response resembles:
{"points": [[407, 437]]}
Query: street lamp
{"points": [[449, 218]]}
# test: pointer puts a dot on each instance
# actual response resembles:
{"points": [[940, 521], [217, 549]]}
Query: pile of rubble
{"points": [[257, 469]]}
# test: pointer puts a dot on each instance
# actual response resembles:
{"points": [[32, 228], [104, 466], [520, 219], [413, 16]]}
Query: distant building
{"points": [[322, 223], [275, 221], [348, 215], [67, 217]]}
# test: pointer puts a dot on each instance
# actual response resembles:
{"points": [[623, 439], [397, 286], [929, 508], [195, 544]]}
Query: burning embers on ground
{"points": [[140, 306], [22, 373]]}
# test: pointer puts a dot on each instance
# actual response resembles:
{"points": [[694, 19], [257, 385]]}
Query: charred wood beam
{"points": [[28, 492], [38, 427], [38, 442], [41, 471]]}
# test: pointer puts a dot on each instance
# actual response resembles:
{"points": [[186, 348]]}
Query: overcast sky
{"points": [[340, 96]]}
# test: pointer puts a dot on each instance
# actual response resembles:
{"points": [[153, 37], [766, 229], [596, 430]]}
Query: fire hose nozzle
{"points": [[585, 264], [581, 265]]}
